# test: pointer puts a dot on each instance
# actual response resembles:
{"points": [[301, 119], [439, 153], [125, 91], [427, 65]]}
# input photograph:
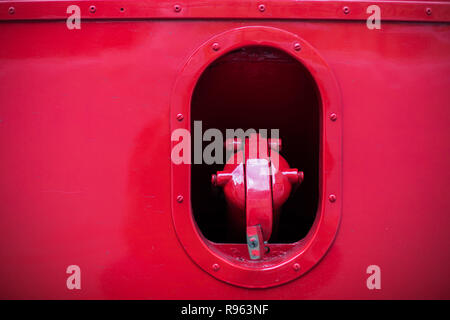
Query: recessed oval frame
{"points": [[306, 253]]}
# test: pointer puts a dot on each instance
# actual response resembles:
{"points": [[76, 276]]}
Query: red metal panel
{"points": [[85, 160]]}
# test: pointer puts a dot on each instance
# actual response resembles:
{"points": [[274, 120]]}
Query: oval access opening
{"points": [[261, 88]]}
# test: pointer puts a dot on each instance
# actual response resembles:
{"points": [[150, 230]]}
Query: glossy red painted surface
{"points": [[85, 124]]}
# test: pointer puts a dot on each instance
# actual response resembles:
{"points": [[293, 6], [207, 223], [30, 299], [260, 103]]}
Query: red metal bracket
{"points": [[255, 242]]}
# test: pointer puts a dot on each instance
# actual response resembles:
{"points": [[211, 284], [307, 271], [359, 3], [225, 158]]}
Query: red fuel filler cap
{"points": [[256, 181]]}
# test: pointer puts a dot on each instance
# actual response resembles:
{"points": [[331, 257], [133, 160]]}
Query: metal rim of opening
{"points": [[310, 250]]}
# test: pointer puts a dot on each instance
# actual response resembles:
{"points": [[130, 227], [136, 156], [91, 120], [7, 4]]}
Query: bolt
{"points": [[177, 8], [92, 9], [216, 267], [332, 198], [11, 10], [180, 117], [346, 10], [296, 267], [301, 176], [216, 46], [297, 46], [428, 11], [180, 199], [333, 116], [262, 8]]}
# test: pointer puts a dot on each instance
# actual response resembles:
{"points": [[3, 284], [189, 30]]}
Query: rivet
{"points": [[296, 267], [428, 11], [346, 10], [92, 9], [333, 116], [216, 46], [297, 46], [177, 8], [262, 8], [180, 117], [11, 10], [216, 267], [332, 198], [180, 199]]}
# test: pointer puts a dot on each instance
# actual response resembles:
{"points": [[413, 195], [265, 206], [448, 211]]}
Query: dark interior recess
{"points": [[260, 88]]}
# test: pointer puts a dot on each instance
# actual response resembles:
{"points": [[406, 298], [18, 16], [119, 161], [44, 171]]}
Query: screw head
{"points": [[177, 8], [262, 8], [216, 46], [333, 116], [180, 199], [332, 198], [253, 243], [180, 117], [296, 267], [297, 46], [346, 10], [92, 9], [216, 267], [428, 11], [11, 10]]}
